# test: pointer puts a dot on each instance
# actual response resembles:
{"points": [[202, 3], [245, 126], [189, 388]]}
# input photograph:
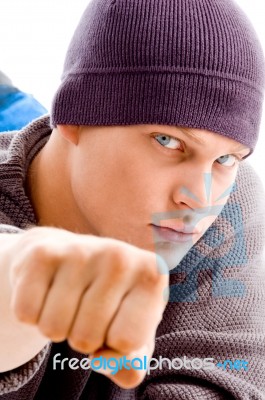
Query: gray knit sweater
{"points": [[216, 308]]}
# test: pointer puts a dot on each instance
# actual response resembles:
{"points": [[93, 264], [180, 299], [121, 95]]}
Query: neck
{"points": [[49, 188]]}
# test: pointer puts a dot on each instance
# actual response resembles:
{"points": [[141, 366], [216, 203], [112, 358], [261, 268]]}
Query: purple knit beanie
{"points": [[193, 63]]}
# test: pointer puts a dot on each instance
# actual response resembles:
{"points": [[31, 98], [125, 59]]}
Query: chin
{"points": [[172, 253]]}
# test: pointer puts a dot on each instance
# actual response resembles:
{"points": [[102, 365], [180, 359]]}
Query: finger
{"points": [[98, 306], [62, 301], [127, 371], [30, 289], [139, 315]]}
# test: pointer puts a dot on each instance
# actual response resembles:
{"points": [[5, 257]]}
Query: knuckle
{"points": [[53, 331], [148, 275], [84, 343], [46, 329], [21, 307], [123, 344], [56, 335], [118, 264], [46, 252], [27, 267], [23, 312], [39, 252], [79, 344], [130, 379]]}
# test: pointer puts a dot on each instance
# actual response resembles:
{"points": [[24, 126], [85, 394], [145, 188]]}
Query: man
{"points": [[141, 171]]}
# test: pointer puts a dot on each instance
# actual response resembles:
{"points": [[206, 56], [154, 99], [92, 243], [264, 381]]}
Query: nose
{"points": [[193, 188]]}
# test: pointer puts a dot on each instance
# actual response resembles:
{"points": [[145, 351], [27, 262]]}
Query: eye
{"points": [[229, 160], [167, 141]]}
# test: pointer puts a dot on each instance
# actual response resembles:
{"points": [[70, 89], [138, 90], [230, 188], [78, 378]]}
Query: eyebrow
{"points": [[191, 135], [196, 139]]}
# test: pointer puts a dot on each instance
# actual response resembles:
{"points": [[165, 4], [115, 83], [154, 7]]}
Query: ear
{"points": [[69, 133]]}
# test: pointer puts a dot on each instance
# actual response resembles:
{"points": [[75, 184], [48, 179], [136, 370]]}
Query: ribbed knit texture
{"points": [[175, 62], [217, 311]]}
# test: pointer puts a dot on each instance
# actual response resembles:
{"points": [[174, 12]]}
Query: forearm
{"points": [[19, 342]]}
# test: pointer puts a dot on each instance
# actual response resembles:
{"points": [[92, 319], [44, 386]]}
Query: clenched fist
{"points": [[97, 293]]}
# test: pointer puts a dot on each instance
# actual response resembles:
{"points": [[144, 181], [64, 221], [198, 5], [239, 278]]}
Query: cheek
{"points": [[220, 196], [221, 187], [97, 183], [109, 185]]}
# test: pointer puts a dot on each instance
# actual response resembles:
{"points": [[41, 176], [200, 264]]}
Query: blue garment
{"points": [[17, 108]]}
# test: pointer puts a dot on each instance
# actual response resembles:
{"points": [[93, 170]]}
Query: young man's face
{"points": [[143, 183]]}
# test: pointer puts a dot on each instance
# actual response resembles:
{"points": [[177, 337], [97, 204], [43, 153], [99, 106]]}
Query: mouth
{"points": [[168, 233]]}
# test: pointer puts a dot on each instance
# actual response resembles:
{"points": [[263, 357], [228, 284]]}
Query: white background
{"points": [[35, 35]]}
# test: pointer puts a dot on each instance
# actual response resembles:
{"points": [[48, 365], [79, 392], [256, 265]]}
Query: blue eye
{"points": [[226, 161], [167, 141]]}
